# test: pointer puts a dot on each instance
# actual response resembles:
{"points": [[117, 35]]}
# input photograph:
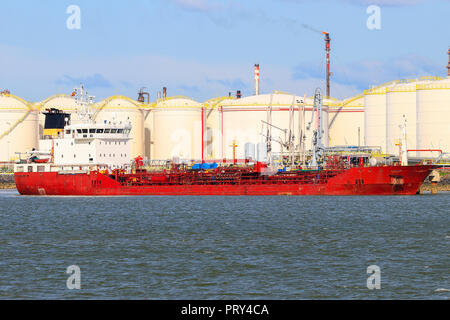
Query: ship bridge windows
{"points": [[85, 130], [91, 130], [99, 130], [119, 130], [113, 130], [107, 130], [79, 131]]}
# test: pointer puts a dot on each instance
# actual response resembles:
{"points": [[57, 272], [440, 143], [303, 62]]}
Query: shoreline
{"points": [[7, 181], [7, 186]]}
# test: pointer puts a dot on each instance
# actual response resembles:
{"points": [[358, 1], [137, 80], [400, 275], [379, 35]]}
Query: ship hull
{"points": [[387, 180]]}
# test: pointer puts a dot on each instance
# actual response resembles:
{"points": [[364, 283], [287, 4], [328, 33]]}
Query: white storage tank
{"points": [[18, 127], [214, 126], [250, 151], [261, 149], [433, 117], [242, 121], [346, 122], [400, 105], [124, 109], [375, 116], [177, 129]]}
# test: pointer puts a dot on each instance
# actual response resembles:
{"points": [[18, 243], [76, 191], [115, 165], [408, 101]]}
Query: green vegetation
{"points": [[444, 173]]}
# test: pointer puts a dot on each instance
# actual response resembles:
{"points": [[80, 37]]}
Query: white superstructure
{"points": [[85, 145]]}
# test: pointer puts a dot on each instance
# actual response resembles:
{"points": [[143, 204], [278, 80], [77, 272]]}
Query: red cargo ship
{"points": [[380, 180], [93, 159]]}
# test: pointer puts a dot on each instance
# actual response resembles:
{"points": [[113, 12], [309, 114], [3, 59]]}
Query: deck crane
{"points": [[317, 145]]}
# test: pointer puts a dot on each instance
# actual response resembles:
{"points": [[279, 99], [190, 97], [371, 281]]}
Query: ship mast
{"points": [[84, 103], [317, 144], [269, 132], [403, 147]]}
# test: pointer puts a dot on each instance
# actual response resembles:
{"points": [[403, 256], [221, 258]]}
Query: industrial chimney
{"points": [[141, 95], [448, 66], [256, 79], [238, 94], [327, 49], [164, 93]]}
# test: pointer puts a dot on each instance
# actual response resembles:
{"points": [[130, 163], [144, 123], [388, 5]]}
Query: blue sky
{"points": [[206, 48]]}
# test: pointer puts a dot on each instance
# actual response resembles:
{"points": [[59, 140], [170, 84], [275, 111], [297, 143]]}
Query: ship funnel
{"points": [[55, 120]]}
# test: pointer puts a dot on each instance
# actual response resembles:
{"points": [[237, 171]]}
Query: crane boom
{"points": [[317, 144]]}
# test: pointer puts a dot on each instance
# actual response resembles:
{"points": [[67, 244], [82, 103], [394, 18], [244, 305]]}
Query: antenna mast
{"points": [[318, 147], [84, 102]]}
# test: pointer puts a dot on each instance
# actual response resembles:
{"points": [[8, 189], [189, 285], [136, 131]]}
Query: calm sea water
{"points": [[224, 247]]}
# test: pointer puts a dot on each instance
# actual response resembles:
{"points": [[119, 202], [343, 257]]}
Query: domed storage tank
{"points": [[177, 129], [213, 112], [121, 108], [346, 123], [18, 127], [243, 118], [433, 114], [401, 100]]}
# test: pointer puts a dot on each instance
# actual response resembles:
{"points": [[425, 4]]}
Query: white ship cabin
{"points": [[83, 147]]}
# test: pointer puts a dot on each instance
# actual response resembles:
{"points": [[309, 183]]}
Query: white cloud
{"points": [[35, 76], [364, 73], [198, 5], [389, 3], [393, 3]]}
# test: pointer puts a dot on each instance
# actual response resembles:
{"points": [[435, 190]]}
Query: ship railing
{"points": [[7, 167], [87, 167], [229, 177]]}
